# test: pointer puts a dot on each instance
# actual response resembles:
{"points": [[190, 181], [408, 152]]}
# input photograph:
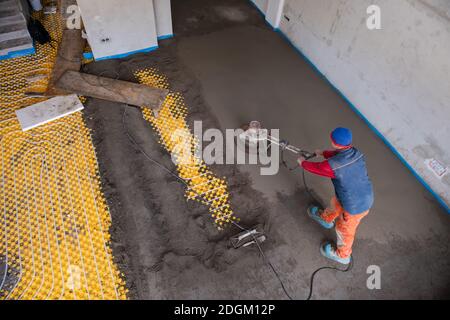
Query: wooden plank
{"points": [[69, 56], [112, 90]]}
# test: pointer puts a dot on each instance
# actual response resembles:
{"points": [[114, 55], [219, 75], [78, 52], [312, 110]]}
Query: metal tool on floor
{"points": [[248, 237], [252, 137]]}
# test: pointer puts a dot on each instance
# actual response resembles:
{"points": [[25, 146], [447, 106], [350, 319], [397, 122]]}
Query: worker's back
{"points": [[352, 184]]}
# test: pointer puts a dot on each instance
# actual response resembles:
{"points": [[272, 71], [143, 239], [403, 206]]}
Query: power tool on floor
{"points": [[248, 237], [252, 136]]}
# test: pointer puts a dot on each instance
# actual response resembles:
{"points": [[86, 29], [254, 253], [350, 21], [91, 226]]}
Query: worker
{"points": [[346, 167]]}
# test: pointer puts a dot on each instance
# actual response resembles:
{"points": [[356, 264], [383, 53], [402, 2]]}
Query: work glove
{"points": [[300, 160]]}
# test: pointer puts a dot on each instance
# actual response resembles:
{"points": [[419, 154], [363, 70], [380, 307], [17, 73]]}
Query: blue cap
{"points": [[342, 137]]}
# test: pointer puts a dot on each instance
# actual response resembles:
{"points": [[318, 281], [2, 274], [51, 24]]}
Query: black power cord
{"points": [[311, 284], [266, 260], [160, 165], [296, 167], [172, 173]]}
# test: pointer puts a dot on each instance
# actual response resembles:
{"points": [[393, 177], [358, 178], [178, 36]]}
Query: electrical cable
{"points": [[161, 166], [311, 284], [284, 163], [296, 167], [266, 260]]}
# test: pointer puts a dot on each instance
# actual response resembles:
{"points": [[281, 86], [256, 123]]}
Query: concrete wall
{"points": [[163, 16], [118, 28], [398, 77]]}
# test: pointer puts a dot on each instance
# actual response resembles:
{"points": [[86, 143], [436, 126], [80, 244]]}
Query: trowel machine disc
{"points": [[253, 137]]}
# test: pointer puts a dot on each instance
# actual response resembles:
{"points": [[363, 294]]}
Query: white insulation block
{"points": [[116, 28], [163, 17], [49, 110]]}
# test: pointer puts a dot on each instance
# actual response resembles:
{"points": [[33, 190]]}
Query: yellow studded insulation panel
{"points": [[54, 221], [175, 136]]}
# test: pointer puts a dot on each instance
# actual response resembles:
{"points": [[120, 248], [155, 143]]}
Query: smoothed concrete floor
{"points": [[252, 73], [231, 68]]}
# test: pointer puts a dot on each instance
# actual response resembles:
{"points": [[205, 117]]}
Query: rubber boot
{"points": [[328, 251], [314, 213]]}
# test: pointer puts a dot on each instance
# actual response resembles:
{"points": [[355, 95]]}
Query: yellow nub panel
{"points": [[54, 222], [174, 135]]}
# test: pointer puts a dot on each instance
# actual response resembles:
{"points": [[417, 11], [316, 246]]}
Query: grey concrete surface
{"points": [[396, 76], [231, 68], [251, 73]]}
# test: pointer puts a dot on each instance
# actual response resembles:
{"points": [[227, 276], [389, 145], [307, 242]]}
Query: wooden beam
{"points": [[112, 90], [68, 57]]}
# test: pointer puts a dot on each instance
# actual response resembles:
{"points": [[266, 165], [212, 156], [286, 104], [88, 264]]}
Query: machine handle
{"points": [[308, 155], [284, 145]]}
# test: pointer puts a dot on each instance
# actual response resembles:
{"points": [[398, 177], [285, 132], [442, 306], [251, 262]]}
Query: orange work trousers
{"points": [[346, 225]]}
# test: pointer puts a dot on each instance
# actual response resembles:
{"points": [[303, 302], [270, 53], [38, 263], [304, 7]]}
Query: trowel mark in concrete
{"points": [[231, 13]]}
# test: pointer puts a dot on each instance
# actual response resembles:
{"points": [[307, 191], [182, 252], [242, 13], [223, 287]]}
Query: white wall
{"points": [[261, 4], [274, 12], [163, 16], [397, 77], [129, 26]]}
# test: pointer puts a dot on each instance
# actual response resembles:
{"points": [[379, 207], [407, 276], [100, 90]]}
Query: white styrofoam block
{"points": [[163, 17], [116, 28], [49, 110]]}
